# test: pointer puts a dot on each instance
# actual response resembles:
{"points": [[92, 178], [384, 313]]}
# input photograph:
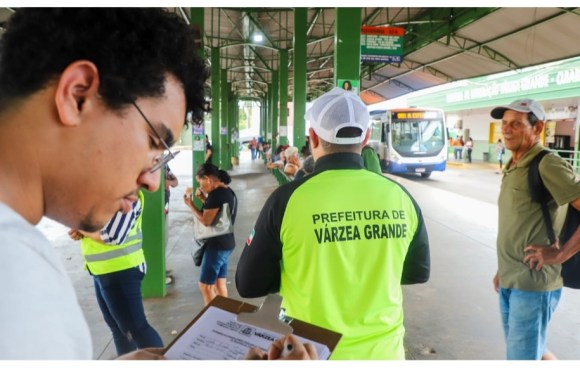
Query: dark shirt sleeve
{"points": [[214, 200], [258, 272], [417, 265]]}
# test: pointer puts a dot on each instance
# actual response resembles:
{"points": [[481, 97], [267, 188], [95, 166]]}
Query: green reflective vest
{"points": [[102, 258], [371, 160], [343, 271]]}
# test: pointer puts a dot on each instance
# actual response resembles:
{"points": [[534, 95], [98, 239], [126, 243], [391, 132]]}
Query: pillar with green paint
{"points": [[198, 131], [274, 110], [299, 63], [154, 231], [347, 46], [283, 97], [223, 137], [215, 104]]}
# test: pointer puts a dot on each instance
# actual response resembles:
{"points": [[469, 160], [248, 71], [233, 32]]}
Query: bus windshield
{"points": [[417, 134]]}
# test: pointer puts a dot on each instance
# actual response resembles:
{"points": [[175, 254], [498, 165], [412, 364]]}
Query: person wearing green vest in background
{"points": [[114, 257], [338, 243], [371, 159]]}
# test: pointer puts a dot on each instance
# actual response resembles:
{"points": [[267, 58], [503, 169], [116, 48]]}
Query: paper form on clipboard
{"points": [[217, 334]]}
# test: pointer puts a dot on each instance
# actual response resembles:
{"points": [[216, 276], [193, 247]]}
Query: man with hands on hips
{"points": [[528, 279]]}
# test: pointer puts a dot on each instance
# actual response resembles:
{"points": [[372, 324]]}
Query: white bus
{"points": [[410, 140]]}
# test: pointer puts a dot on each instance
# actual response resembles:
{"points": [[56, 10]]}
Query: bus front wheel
{"points": [[425, 175]]}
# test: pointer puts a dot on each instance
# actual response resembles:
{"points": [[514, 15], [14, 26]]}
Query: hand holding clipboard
{"points": [[227, 329]]}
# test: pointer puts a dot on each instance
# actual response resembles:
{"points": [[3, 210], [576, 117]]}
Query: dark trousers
{"points": [[119, 297]]}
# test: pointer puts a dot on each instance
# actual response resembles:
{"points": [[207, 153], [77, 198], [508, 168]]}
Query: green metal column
{"points": [[153, 226], [223, 153], [231, 152], [275, 102], [347, 45], [265, 120], [197, 138], [261, 127], [263, 117], [284, 97], [227, 162], [215, 105], [269, 114], [299, 62], [236, 128]]}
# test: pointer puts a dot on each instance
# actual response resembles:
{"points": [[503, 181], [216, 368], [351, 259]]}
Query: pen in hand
{"points": [[287, 350]]}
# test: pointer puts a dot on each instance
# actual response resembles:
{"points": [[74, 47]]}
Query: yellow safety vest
{"points": [[325, 268], [102, 258]]}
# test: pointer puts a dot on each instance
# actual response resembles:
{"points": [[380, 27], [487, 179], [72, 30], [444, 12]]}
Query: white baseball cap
{"points": [[522, 106], [336, 110]]}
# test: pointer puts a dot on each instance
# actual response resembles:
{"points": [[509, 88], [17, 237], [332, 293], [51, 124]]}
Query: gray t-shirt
{"points": [[40, 317]]}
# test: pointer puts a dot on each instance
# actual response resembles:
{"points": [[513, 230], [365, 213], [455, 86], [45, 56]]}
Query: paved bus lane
{"points": [[456, 314]]}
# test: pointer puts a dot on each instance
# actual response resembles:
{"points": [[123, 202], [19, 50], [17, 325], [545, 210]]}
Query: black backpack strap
{"points": [[548, 221], [539, 193]]}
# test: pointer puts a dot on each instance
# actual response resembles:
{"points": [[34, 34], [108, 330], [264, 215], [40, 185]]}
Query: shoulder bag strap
{"points": [[539, 193]]}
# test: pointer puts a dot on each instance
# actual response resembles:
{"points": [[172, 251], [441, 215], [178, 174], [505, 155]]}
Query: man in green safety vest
{"points": [[114, 257], [339, 243], [371, 159]]}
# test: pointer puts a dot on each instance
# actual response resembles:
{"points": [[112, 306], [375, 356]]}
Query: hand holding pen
{"points": [[285, 348]]}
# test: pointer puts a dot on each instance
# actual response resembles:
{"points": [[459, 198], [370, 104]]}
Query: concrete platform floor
{"points": [[452, 317]]}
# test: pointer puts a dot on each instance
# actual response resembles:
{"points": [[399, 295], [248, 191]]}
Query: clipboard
{"points": [[267, 316]]}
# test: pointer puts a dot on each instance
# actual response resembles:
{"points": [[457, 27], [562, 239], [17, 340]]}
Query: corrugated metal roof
{"points": [[440, 45], [505, 39]]}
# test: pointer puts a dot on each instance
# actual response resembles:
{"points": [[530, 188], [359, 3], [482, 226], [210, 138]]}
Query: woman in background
{"points": [[213, 192], [500, 149]]}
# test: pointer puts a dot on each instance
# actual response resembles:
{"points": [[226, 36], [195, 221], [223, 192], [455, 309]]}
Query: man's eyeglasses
{"points": [[166, 156]]}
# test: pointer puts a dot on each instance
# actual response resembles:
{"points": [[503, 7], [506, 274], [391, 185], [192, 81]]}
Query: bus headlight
{"points": [[395, 157]]}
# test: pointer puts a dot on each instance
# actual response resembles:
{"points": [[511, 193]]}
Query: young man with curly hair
{"points": [[90, 102]]}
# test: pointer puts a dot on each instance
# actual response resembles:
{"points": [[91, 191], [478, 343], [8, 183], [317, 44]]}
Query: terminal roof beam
{"points": [[428, 27], [368, 20], [387, 80], [410, 67], [235, 28], [313, 22], [465, 45], [376, 94], [272, 44]]}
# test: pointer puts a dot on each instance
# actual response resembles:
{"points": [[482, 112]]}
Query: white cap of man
{"points": [[336, 110], [522, 106]]}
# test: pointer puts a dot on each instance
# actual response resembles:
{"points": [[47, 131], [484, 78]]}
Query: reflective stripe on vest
{"points": [[102, 259], [116, 253]]}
